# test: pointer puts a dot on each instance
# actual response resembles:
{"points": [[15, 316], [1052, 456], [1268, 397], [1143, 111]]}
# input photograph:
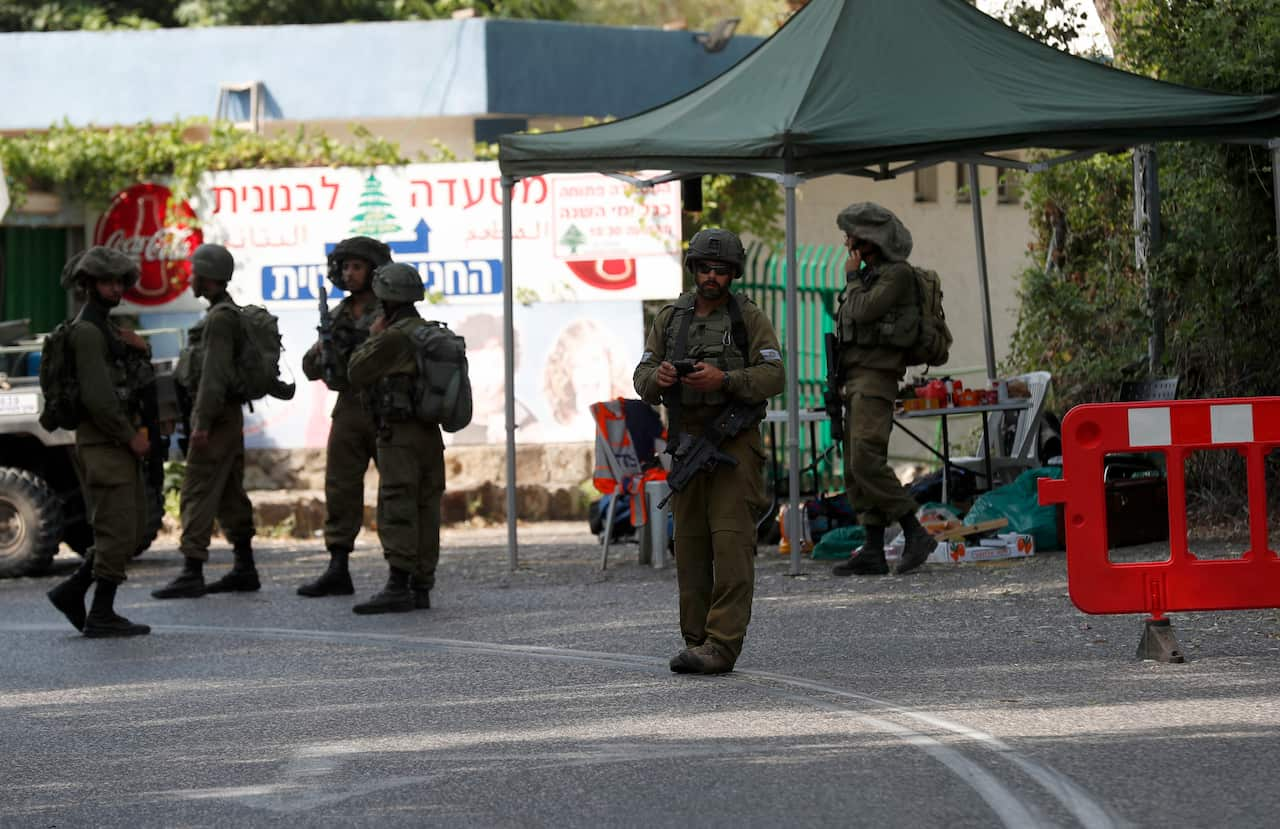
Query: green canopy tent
{"points": [[877, 89]]}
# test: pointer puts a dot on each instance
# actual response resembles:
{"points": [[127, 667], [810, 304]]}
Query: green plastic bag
{"points": [[1019, 502], [839, 543]]}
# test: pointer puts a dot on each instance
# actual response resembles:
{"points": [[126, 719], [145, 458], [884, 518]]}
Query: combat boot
{"points": [[703, 659], [243, 577], [334, 581], [396, 597], [188, 585], [867, 560], [917, 544], [68, 596], [421, 595], [103, 621]]}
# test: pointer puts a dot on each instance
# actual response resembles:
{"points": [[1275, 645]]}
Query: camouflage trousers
{"points": [[353, 442], [111, 478], [213, 488], [410, 485], [715, 537], [875, 493]]}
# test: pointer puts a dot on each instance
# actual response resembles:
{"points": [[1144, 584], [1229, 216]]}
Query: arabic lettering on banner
{"points": [[556, 378], [575, 238]]}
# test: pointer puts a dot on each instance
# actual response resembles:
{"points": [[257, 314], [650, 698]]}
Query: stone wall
{"points": [[287, 486]]}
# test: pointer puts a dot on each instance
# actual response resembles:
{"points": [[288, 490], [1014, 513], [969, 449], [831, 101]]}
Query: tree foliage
{"points": [[53, 15], [1055, 22], [1089, 321], [91, 165]]}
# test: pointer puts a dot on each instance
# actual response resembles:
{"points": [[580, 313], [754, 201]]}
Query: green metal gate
{"points": [[821, 278], [32, 262]]}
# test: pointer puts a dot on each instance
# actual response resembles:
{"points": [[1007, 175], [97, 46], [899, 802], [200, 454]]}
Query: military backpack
{"points": [[442, 387], [932, 343], [58, 381], [257, 356]]}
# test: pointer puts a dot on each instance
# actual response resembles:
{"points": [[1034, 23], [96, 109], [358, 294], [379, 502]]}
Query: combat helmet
{"points": [[96, 263], [869, 221], [397, 282], [371, 250], [213, 262], [719, 244]]}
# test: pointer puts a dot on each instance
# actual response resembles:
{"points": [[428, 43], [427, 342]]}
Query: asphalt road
{"points": [[964, 695]]}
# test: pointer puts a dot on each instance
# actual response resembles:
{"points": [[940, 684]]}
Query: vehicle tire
{"points": [[30, 523]]}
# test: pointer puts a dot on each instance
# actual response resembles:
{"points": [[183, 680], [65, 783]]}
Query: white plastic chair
{"points": [[1025, 451]]}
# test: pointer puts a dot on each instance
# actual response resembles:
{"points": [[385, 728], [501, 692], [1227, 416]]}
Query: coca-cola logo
{"points": [[141, 224]]}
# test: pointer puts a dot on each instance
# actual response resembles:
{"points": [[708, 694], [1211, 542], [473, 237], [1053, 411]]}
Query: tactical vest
{"points": [[718, 339], [131, 371], [391, 398], [348, 334], [898, 328]]}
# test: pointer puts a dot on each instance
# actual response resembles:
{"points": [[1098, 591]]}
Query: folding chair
{"points": [[619, 463], [1025, 451]]}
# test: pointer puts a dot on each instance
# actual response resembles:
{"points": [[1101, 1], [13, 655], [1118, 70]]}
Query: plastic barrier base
{"points": [[1160, 643]]}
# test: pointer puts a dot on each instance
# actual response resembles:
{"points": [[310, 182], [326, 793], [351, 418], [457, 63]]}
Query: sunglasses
{"points": [[717, 270]]}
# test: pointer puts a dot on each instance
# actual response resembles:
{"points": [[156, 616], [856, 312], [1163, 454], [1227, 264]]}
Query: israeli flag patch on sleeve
{"points": [[770, 355], [644, 358]]}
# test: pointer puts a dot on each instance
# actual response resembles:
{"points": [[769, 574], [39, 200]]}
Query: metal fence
{"points": [[820, 271]]}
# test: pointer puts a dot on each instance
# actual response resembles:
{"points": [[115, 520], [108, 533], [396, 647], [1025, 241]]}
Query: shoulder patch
{"points": [[770, 355]]}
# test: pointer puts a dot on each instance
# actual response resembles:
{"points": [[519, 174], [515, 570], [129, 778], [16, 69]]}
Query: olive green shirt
{"points": [[106, 417], [763, 377], [218, 371], [864, 302], [388, 352]]}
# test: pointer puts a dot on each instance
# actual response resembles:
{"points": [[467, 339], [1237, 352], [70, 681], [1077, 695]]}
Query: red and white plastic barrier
{"points": [[1175, 428]]}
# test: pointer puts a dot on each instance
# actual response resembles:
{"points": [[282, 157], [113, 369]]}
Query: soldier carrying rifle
{"points": [[713, 358]]}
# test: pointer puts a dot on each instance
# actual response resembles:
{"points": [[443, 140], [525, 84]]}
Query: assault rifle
{"points": [[328, 354], [696, 453], [831, 397]]}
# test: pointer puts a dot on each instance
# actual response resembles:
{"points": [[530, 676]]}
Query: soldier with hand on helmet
{"points": [[410, 450], [735, 357], [881, 290], [352, 435], [213, 487], [111, 366]]}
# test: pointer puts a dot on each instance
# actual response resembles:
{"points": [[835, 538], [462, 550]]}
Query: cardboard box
{"points": [[1001, 546]]}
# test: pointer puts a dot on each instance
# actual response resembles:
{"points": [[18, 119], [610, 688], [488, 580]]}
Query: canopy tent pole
{"points": [[795, 517], [1146, 241], [509, 368], [1275, 187], [975, 199]]}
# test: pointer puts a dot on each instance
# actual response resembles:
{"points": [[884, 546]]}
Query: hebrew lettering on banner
{"points": [[575, 238]]}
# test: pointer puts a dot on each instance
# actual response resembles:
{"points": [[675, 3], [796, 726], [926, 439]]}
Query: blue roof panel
{"points": [[351, 71]]}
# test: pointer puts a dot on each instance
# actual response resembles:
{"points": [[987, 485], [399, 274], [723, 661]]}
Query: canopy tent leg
{"points": [[509, 368], [1146, 241], [796, 524], [975, 199], [1275, 188]]}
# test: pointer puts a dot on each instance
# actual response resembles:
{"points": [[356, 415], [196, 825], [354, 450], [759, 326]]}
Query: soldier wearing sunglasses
{"points": [[710, 348]]}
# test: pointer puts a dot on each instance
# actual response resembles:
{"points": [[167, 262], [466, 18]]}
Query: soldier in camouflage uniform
{"points": [[881, 287], [353, 438], [410, 451], [111, 365], [738, 358], [213, 487]]}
